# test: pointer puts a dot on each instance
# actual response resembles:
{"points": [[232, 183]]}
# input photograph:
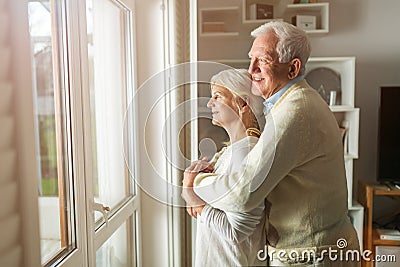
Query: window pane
{"points": [[114, 252], [55, 226], [108, 79]]}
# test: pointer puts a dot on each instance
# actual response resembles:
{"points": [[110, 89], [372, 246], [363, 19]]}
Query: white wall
{"points": [[365, 29], [25, 250]]}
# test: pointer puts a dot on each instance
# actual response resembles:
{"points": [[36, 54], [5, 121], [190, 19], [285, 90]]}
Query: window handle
{"points": [[103, 209]]}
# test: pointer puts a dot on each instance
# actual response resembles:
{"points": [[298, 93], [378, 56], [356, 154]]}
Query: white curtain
{"points": [[178, 29]]}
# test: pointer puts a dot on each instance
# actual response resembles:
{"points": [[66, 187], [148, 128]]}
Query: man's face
{"points": [[268, 75]]}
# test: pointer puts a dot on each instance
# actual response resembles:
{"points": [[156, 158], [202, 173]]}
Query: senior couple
{"points": [[280, 192]]}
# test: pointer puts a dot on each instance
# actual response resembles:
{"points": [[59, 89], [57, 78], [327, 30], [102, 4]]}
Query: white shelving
{"points": [[221, 21], [219, 34], [277, 11], [356, 214], [320, 10], [351, 117], [345, 66], [345, 110], [224, 20]]}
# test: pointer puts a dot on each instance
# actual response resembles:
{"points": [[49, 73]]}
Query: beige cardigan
{"points": [[298, 166]]}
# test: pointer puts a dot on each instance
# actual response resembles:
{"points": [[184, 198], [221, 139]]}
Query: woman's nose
{"points": [[210, 103]]}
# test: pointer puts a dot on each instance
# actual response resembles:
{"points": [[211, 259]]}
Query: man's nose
{"points": [[253, 66]]}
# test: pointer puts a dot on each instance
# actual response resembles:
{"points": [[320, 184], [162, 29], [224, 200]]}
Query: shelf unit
{"points": [[344, 110], [366, 194], [278, 12], [320, 10], [224, 18], [356, 214], [227, 14], [345, 66]]}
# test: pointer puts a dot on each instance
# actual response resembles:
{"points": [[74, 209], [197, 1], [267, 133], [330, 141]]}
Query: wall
{"points": [[365, 29], [19, 226]]}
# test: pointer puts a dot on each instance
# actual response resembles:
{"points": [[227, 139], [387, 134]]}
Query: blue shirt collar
{"points": [[270, 101]]}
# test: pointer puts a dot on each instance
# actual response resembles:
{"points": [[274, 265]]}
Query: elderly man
{"points": [[296, 168]]}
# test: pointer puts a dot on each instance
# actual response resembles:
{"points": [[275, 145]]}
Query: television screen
{"points": [[389, 135]]}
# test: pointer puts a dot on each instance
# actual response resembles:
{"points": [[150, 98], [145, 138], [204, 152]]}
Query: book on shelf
{"points": [[304, 1], [213, 27], [305, 22], [389, 234], [261, 11]]}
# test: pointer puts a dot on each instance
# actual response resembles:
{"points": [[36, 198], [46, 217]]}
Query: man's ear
{"points": [[294, 68]]}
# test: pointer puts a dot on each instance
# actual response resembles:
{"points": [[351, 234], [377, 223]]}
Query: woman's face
{"points": [[223, 107]]}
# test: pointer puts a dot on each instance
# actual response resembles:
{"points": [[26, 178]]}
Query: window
{"points": [[109, 81], [83, 80], [56, 221]]}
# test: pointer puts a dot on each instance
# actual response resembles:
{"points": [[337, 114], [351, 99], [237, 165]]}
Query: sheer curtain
{"points": [[178, 45]]}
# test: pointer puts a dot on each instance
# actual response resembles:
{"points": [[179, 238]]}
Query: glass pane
{"points": [[55, 230], [107, 43], [114, 252]]}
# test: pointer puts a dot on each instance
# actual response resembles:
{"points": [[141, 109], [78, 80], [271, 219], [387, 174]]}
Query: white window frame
{"points": [[88, 239]]}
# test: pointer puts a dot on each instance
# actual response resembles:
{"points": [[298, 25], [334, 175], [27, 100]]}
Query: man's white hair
{"points": [[293, 41]]}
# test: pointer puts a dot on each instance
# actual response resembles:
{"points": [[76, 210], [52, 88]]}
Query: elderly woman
{"points": [[231, 238]]}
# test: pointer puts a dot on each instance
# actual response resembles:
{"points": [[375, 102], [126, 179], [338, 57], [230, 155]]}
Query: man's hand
{"points": [[195, 168], [201, 165]]}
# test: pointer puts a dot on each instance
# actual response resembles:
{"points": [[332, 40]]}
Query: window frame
{"points": [[71, 86]]}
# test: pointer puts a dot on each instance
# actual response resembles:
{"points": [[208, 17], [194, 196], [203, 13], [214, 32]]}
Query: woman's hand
{"points": [[194, 211], [194, 204]]}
